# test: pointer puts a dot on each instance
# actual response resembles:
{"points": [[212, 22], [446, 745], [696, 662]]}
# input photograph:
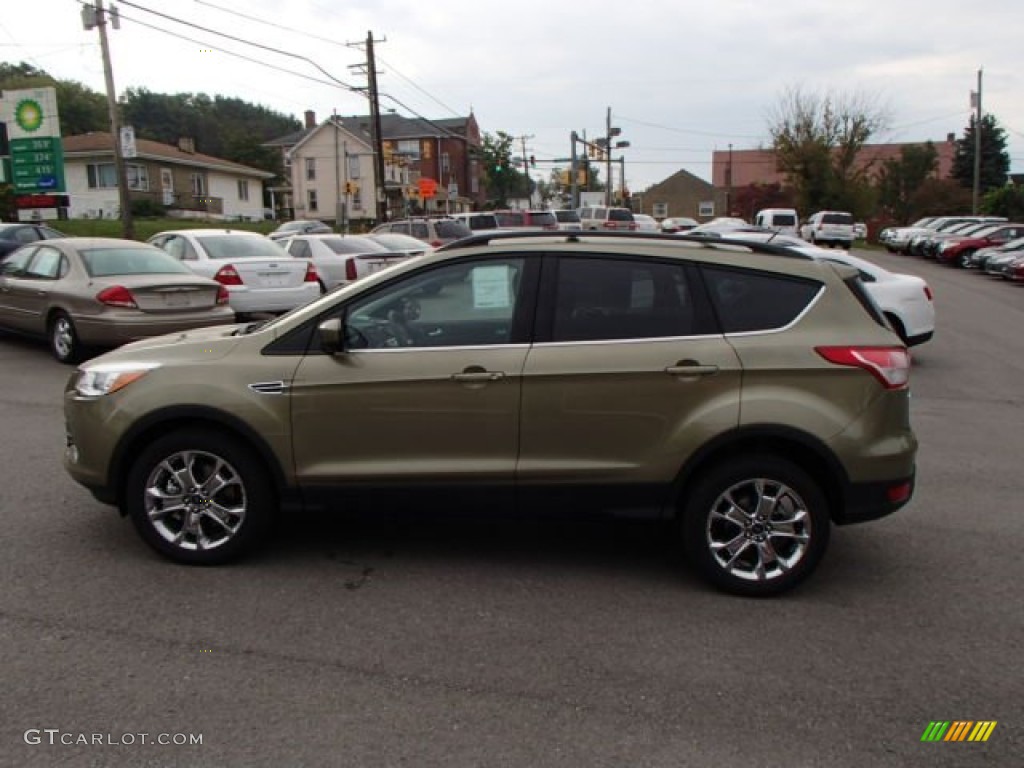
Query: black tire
{"points": [[63, 339], [206, 528], [798, 550], [964, 260]]}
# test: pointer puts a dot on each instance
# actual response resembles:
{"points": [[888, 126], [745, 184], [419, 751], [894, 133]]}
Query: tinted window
{"points": [[299, 249], [837, 218], [543, 219], [756, 301], [619, 214], [104, 262], [482, 221], [784, 220], [419, 229], [451, 230], [567, 217], [599, 298], [510, 219]]}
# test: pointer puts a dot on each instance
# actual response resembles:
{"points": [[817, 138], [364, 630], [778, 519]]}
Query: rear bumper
{"points": [[870, 501], [244, 299]]}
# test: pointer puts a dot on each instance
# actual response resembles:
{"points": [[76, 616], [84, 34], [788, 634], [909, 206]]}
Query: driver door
{"points": [[427, 392]]}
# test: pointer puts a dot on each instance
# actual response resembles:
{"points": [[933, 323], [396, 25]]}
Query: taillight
{"points": [[228, 275], [222, 295], [311, 275], [890, 365], [350, 269], [436, 243], [927, 292], [610, 225], [117, 296]]}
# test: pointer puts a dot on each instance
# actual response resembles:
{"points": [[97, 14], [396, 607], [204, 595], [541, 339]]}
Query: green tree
{"points": [[503, 181], [995, 160], [900, 181], [1007, 201], [817, 141]]}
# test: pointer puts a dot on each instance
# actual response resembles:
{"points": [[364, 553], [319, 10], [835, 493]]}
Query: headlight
{"points": [[106, 378]]}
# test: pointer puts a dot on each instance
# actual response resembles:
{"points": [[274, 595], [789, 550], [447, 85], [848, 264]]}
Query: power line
{"points": [[713, 134], [221, 50], [243, 41]]}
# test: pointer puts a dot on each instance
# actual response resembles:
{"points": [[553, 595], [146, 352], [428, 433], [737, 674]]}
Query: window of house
{"points": [[243, 189], [198, 183], [311, 202], [101, 175], [445, 163], [353, 166], [474, 180], [357, 199], [310, 169], [138, 177], [410, 148]]}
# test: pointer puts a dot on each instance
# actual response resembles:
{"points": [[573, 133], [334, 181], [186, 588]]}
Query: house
{"points": [[187, 183], [419, 154], [331, 171], [681, 194]]}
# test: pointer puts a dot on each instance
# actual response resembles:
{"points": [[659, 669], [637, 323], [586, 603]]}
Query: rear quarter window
{"points": [[746, 300]]}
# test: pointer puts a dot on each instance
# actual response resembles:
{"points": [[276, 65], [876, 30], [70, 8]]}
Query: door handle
{"points": [[478, 376], [691, 368]]}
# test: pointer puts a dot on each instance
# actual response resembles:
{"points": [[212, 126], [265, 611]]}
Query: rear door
{"points": [[627, 377]]}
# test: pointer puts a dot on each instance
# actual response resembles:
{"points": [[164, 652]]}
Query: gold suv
{"points": [[753, 395]]}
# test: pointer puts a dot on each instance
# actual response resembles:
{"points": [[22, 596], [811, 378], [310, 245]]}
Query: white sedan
{"points": [[342, 259], [905, 300], [259, 275]]}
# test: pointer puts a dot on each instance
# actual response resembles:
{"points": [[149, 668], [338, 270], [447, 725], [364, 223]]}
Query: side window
{"points": [[15, 263], [46, 265], [26, 235], [455, 305], [179, 248], [604, 299], [420, 230], [401, 228], [757, 301], [300, 249]]}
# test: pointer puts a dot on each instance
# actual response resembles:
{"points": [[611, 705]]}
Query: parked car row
{"points": [[82, 294], [991, 245]]}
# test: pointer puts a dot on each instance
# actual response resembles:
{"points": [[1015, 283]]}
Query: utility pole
{"points": [[526, 168], [97, 17], [728, 185], [574, 185], [977, 150], [380, 197], [608, 158]]}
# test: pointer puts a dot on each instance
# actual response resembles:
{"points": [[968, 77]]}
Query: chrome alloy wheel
{"points": [[195, 500], [758, 530]]}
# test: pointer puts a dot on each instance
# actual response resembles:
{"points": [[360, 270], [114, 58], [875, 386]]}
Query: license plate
{"points": [[273, 279], [176, 300], [373, 266]]}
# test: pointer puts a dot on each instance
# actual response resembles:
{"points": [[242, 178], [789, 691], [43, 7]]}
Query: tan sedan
{"points": [[82, 292]]}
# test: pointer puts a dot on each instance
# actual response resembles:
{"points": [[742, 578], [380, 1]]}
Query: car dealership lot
{"points": [[440, 643]]}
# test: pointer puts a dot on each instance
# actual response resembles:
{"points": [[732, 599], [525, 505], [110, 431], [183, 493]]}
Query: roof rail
{"points": [[710, 240]]}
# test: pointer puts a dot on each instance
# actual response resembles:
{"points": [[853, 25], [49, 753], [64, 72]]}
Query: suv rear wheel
{"points": [[199, 497], [756, 525]]}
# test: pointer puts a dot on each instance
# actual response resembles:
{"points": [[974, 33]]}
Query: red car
{"points": [[958, 250]]}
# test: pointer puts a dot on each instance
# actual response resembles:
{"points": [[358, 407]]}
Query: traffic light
{"points": [[533, 161], [351, 187]]}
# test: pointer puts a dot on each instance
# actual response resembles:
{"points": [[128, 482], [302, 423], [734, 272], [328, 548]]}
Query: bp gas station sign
{"points": [[33, 130]]}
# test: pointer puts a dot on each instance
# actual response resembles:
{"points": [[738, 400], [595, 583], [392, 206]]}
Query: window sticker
{"points": [[492, 287]]}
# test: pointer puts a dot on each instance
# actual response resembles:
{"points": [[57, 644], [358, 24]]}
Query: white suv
{"points": [[829, 228]]}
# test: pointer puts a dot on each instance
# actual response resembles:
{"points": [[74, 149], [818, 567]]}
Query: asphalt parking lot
{"points": [[422, 642]]}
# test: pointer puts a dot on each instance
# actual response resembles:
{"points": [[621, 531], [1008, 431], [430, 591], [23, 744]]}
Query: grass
{"points": [[145, 228]]}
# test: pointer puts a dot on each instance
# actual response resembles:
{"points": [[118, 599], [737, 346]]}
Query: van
{"points": [[782, 220], [602, 218]]}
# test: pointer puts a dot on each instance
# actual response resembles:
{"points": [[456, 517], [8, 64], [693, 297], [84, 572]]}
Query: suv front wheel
{"points": [[199, 497], [756, 526]]}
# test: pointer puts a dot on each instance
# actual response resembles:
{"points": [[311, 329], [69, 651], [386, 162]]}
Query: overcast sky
{"points": [[681, 79]]}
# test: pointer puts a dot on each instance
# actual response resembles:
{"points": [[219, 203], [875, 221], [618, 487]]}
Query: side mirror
{"points": [[331, 336]]}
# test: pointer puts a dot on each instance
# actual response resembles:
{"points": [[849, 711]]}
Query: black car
{"points": [[14, 236]]}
